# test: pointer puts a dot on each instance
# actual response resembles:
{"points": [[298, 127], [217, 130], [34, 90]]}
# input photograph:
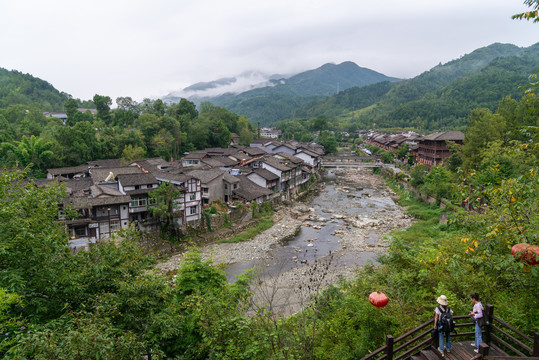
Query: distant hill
{"points": [[280, 97], [19, 88], [440, 98]]}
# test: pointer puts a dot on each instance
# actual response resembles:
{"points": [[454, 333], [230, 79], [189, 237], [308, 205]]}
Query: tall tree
{"points": [[102, 104], [31, 150]]}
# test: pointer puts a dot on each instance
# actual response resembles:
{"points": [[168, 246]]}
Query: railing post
{"points": [[489, 312], [536, 344], [483, 349], [389, 344]]}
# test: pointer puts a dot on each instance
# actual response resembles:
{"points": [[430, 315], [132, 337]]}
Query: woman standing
{"points": [[476, 314], [443, 308]]}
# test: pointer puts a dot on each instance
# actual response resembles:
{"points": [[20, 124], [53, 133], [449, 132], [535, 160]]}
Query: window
{"points": [[192, 197], [226, 186], [114, 226], [104, 228], [79, 231], [235, 186], [139, 201], [192, 210], [205, 191]]}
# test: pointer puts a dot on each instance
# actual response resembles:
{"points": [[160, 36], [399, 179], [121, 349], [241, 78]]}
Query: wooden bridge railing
{"points": [[419, 338]]}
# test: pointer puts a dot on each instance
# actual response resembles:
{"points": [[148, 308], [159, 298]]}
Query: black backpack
{"points": [[445, 321]]}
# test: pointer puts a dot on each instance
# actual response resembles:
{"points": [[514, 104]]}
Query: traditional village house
{"points": [[433, 148], [265, 178], [189, 205], [230, 184], [103, 210], [309, 158], [248, 191], [68, 172], [296, 164], [211, 184], [254, 151], [285, 147], [272, 164], [193, 158], [138, 187]]}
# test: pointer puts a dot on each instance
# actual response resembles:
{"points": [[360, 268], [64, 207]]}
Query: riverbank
{"points": [[343, 236]]}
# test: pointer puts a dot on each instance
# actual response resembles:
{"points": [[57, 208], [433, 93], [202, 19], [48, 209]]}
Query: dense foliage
{"points": [[131, 131], [19, 88]]}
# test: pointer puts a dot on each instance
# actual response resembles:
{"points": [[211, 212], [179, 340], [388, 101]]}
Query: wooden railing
{"points": [[420, 338], [509, 339]]}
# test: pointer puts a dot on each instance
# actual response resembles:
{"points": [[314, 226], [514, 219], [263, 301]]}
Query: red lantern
{"points": [[378, 299], [526, 253]]}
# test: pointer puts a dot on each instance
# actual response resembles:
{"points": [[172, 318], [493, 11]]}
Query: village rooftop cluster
{"points": [[109, 196]]}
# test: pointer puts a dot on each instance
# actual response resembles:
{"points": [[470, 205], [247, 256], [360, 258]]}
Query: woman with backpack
{"points": [[477, 315], [443, 318]]}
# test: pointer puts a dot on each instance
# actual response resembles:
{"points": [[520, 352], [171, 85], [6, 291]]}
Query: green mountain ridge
{"points": [[440, 98], [272, 103], [18, 88]]}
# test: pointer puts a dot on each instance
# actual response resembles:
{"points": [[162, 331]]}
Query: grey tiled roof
{"points": [[136, 179], [275, 163], [69, 170], [86, 202], [266, 174], [99, 175], [249, 191], [205, 176], [445, 135], [107, 163]]}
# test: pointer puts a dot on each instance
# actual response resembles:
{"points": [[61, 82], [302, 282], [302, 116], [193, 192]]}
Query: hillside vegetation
{"points": [[19, 88], [438, 99], [272, 103]]}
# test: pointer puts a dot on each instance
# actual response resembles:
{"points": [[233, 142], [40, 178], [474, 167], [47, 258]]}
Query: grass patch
{"points": [[248, 234]]}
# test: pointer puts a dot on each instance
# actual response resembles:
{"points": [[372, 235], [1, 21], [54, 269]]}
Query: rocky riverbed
{"points": [[314, 243]]}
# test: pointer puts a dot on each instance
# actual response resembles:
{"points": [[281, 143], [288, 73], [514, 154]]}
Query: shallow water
{"points": [[311, 244]]}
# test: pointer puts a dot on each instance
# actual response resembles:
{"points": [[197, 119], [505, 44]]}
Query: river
{"points": [[314, 243]]}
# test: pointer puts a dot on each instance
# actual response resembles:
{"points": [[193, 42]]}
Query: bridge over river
{"points": [[348, 161]]}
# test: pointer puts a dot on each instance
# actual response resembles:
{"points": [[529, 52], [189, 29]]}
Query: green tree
{"points": [[131, 153], [102, 104], [83, 336], [33, 245], [328, 141], [402, 151], [31, 150], [165, 206], [483, 127], [163, 144], [388, 157], [73, 115]]}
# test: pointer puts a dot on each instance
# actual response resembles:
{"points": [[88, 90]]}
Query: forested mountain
{"points": [[284, 96], [437, 99], [18, 88]]}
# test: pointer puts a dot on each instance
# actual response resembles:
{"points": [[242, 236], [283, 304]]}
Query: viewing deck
{"points": [[501, 341]]}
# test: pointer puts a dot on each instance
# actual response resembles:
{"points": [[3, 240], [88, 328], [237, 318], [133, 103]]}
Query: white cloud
{"points": [[143, 49]]}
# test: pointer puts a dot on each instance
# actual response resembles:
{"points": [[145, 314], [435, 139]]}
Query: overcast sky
{"points": [[149, 48]]}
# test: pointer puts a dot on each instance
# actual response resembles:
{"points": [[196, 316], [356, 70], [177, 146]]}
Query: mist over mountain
{"points": [[271, 98], [246, 81]]}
